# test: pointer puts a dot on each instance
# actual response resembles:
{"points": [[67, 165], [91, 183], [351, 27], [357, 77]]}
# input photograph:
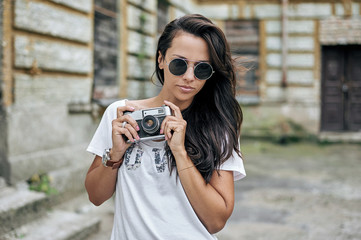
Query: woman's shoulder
{"points": [[118, 103], [141, 103]]}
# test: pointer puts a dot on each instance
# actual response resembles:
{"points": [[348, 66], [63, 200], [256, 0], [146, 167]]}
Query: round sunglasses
{"points": [[179, 66]]}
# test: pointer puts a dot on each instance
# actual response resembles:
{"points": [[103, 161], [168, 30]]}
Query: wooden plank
{"points": [[7, 60], [123, 49]]}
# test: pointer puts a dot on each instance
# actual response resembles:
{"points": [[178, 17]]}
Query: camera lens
{"points": [[150, 124]]}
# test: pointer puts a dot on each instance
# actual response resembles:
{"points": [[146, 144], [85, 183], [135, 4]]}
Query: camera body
{"points": [[149, 122]]}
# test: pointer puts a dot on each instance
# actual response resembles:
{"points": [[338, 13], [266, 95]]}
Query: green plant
{"points": [[41, 183], [142, 19], [288, 131]]}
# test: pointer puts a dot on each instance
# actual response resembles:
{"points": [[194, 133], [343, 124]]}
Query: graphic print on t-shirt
{"points": [[160, 163], [133, 158]]}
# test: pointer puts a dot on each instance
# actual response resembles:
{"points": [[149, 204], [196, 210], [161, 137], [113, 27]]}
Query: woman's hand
{"points": [[100, 181], [123, 125], [174, 129]]}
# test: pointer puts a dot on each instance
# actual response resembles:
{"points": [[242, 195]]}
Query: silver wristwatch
{"points": [[106, 157], [107, 162]]}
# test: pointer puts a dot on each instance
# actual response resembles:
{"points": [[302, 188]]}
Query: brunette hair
{"points": [[214, 118]]}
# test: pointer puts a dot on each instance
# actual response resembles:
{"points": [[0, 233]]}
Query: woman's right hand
{"points": [[129, 130]]}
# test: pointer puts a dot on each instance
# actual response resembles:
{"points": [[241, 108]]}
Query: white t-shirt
{"points": [[150, 203]]}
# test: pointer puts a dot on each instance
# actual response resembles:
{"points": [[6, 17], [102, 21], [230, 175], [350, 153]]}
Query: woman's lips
{"points": [[185, 89]]}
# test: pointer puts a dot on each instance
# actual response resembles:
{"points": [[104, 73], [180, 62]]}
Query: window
{"points": [[243, 38], [105, 50]]}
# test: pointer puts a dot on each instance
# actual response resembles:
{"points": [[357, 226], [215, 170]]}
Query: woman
{"points": [[181, 187]]}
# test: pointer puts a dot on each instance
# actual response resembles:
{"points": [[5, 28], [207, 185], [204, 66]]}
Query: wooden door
{"points": [[353, 81], [341, 88]]}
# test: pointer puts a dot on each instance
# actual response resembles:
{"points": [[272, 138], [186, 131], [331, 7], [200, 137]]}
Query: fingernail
{"points": [[138, 128], [132, 108], [161, 131], [138, 138]]}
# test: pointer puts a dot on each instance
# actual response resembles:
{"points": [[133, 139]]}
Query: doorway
{"points": [[341, 88]]}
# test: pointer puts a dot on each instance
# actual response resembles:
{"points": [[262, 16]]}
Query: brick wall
{"points": [[339, 31]]}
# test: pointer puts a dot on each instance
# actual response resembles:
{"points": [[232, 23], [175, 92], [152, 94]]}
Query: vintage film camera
{"points": [[149, 121]]}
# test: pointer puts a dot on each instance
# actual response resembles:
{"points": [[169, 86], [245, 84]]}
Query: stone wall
{"points": [[140, 45], [53, 65]]}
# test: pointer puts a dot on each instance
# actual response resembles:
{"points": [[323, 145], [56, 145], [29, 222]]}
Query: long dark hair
{"points": [[214, 118]]}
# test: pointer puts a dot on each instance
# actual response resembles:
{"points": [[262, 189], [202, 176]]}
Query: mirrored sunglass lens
{"points": [[203, 71], [178, 67]]}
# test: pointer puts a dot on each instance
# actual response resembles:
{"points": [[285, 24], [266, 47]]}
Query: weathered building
{"points": [[61, 59], [288, 46], [60, 56], [307, 61]]}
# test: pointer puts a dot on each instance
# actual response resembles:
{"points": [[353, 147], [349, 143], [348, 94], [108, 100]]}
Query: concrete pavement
{"points": [[293, 192], [298, 191]]}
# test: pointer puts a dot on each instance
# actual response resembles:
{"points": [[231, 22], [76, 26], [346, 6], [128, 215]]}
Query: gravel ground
{"points": [[297, 191]]}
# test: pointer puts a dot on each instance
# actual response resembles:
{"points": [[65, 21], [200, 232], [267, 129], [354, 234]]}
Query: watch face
{"points": [[104, 160], [105, 157]]}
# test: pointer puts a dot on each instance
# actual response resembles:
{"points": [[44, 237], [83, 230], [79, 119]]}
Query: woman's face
{"points": [[182, 89]]}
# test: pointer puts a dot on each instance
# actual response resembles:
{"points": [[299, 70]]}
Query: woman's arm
{"points": [[213, 202], [100, 181]]}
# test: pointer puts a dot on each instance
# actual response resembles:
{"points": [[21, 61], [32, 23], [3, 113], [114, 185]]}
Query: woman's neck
{"points": [[163, 96]]}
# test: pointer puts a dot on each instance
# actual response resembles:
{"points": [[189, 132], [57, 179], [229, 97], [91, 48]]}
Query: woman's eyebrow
{"points": [[180, 56]]}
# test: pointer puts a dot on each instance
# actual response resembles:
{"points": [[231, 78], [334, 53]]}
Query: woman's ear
{"points": [[160, 61]]}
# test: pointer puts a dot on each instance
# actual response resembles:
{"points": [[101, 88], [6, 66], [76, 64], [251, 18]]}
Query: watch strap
{"points": [[107, 162], [114, 164]]}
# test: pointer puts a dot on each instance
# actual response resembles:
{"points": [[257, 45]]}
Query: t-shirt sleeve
{"points": [[235, 164], [102, 138]]}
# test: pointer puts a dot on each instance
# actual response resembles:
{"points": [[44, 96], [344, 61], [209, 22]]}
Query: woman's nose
{"points": [[189, 74]]}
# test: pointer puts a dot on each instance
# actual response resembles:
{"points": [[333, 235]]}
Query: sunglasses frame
{"points": [[194, 67]]}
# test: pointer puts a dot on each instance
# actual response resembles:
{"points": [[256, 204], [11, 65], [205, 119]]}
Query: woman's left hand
{"points": [[174, 129]]}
